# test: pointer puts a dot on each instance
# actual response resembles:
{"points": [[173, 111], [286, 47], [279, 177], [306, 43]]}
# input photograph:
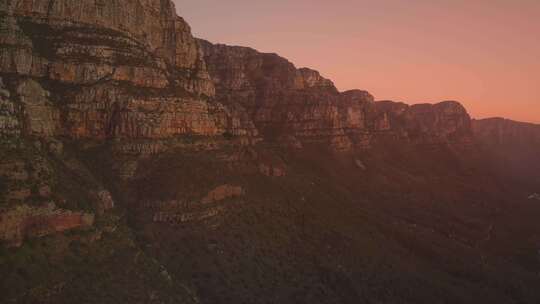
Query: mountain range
{"points": [[140, 164]]}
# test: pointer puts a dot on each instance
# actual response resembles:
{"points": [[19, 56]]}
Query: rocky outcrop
{"points": [[286, 102], [104, 201], [187, 217], [182, 212], [272, 170], [83, 42], [500, 131], [9, 122], [26, 221], [444, 122], [40, 117], [127, 77], [221, 193], [23, 177], [132, 70], [114, 117], [113, 68]]}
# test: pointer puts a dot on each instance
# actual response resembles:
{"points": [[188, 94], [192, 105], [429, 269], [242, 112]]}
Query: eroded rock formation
{"points": [[26, 222], [113, 116], [130, 71], [286, 102], [114, 68]]}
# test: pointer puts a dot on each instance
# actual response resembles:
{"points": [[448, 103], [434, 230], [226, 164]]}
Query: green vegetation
{"points": [[103, 265], [406, 229], [228, 135]]}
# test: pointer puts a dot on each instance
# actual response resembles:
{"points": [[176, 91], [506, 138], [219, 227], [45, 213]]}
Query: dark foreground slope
{"points": [[140, 165]]}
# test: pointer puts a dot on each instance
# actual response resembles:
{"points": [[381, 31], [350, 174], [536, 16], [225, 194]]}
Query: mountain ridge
{"points": [[141, 165]]}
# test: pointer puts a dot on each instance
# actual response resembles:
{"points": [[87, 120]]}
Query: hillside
{"points": [[142, 165]]}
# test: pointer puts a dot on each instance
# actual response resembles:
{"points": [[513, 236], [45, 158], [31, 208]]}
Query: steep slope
{"points": [[515, 147], [299, 105], [81, 73], [141, 165]]}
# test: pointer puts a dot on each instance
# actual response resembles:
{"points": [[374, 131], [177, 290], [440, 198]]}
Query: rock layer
{"points": [[286, 102], [132, 70], [219, 164], [113, 69], [27, 222]]}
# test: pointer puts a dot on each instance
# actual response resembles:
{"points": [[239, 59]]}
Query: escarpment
{"points": [[514, 145], [128, 79], [285, 102], [114, 68], [500, 131], [139, 164], [132, 70]]}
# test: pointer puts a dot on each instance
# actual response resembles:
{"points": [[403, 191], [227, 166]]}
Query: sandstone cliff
{"points": [[129, 76], [128, 69], [286, 103], [116, 69], [145, 162]]}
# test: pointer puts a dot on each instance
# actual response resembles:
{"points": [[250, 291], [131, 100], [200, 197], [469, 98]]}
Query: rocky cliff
{"points": [[299, 105], [500, 131], [139, 164], [130, 74], [112, 69], [128, 69], [515, 145]]}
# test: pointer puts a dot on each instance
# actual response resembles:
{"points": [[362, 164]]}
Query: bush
{"points": [[228, 135]]}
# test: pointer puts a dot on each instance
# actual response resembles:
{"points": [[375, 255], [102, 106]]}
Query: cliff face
{"points": [[131, 69], [91, 70], [286, 103], [127, 69], [140, 42], [156, 164], [514, 145], [500, 131]]}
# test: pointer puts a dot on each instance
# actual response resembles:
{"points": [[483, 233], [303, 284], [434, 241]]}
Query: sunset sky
{"points": [[483, 53]]}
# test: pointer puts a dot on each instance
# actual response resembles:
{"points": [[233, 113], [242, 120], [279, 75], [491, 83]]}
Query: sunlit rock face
{"points": [[445, 122], [123, 73], [113, 68], [168, 168], [140, 40], [130, 75], [132, 70], [284, 101]]}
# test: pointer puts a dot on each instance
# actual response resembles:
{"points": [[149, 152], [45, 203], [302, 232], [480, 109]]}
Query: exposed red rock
{"points": [[130, 71], [284, 101], [24, 222], [222, 192], [324, 196]]}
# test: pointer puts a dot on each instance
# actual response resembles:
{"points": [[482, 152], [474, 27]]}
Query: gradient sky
{"points": [[483, 53]]}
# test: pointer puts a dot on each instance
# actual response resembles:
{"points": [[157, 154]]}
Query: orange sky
{"points": [[483, 53]]}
